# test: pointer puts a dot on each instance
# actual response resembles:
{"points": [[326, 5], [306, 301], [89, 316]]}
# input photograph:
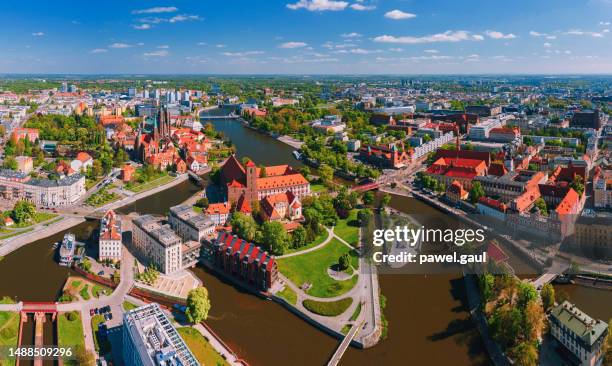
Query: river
{"points": [[428, 319]]}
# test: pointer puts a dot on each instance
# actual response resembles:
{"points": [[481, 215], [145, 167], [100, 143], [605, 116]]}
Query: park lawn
{"points": [[312, 268], [348, 229], [197, 209], [127, 306], [38, 218], [164, 179], [318, 188], [318, 240], [288, 294], [6, 299], [98, 290], [70, 332], [102, 197], [331, 308], [9, 332], [199, 346], [85, 293]]}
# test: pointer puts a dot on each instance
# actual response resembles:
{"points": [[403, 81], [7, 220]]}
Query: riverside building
{"points": [[63, 192], [150, 339], [109, 242]]}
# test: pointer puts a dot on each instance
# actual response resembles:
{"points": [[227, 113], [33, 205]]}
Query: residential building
{"points": [[593, 233], [586, 119], [82, 162], [219, 213], [329, 124], [505, 134], [150, 339], [20, 133], [110, 240], [390, 156], [65, 191], [602, 188], [482, 130], [455, 192], [244, 260], [463, 170], [511, 184], [353, 145], [578, 333], [190, 225], [25, 164], [127, 172], [156, 244], [483, 110], [281, 206]]}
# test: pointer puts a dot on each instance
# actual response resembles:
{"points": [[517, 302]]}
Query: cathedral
{"points": [[153, 143]]}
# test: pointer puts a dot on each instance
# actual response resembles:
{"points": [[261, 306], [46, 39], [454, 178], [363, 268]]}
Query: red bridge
{"points": [[39, 307], [366, 187]]}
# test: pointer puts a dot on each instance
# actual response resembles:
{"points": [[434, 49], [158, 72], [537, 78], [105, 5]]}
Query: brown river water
{"points": [[428, 319]]}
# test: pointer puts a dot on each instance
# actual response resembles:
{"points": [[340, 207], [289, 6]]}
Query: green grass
{"points": [[127, 306], [76, 283], [102, 197], [348, 229], [201, 349], [38, 218], [197, 209], [332, 308], [288, 294], [356, 313], [98, 290], [7, 300], [318, 240], [312, 268], [70, 332], [318, 188], [15, 233], [102, 346], [9, 331], [152, 184], [85, 293]]}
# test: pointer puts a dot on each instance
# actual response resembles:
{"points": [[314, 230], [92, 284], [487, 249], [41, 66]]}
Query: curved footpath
{"points": [[40, 231]]}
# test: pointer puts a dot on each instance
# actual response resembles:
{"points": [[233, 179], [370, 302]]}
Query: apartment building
{"points": [[109, 241], [190, 225], [156, 244], [150, 339], [42, 192]]}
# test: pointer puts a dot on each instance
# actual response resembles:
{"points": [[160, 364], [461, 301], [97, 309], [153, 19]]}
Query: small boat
{"points": [[67, 249], [297, 155]]}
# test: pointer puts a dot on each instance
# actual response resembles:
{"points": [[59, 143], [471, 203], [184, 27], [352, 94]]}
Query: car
{"points": [[106, 317], [101, 273], [110, 316], [91, 312], [96, 311]]}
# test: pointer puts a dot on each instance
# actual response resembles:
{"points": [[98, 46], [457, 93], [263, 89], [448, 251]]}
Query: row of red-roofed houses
{"points": [[517, 191]]}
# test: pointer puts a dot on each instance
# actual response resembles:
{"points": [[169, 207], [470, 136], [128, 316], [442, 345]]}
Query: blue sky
{"points": [[306, 36]]}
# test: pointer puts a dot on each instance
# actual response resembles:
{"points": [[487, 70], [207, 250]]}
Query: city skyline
{"points": [[307, 37]]}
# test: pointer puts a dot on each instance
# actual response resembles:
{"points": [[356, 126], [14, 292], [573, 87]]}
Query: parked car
{"points": [[91, 312], [101, 273], [96, 311]]}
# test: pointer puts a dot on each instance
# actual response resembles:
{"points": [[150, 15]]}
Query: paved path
{"points": [[330, 236], [40, 232], [218, 346]]}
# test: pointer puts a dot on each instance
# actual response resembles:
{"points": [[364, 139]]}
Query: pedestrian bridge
{"points": [[335, 359], [544, 279], [366, 187], [39, 307]]}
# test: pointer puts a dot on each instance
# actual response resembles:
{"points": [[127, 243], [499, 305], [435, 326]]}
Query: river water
{"points": [[428, 319]]}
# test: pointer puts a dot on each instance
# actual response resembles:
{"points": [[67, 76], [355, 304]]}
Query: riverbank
{"points": [[131, 199], [294, 143], [19, 241]]}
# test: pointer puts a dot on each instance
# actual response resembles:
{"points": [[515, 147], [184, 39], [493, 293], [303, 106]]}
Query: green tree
{"points": [[344, 261], [275, 237], [244, 226], [368, 197], [578, 185], [476, 192], [486, 282], [364, 216], [540, 204], [298, 237], [525, 354], [548, 296], [23, 211], [526, 293], [385, 200], [202, 203], [198, 305], [326, 173], [10, 163]]}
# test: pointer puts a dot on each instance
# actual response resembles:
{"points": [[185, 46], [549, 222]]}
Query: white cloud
{"points": [[448, 36], [156, 10], [163, 46], [220, 45], [98, 50], [360, 7], [398, 15], [140, 44], [120, 45], [202, 43], [499, 35], [547, 45], [544, 35], [143, 26], [38, 34], [396, 49], [578, 32], [431, 51], [183, 18], [242, 54], [293, 45], [350, 35], [318, 5], [161, 53], [604, 23]]}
